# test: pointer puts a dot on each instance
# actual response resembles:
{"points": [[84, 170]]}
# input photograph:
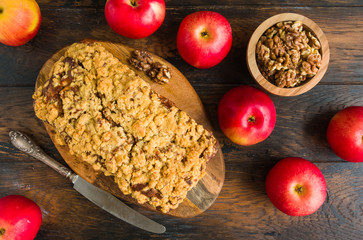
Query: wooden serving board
{"points": [[179, 91]]}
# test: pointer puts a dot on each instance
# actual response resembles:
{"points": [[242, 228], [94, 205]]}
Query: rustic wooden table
{"points": [[242, 209]]}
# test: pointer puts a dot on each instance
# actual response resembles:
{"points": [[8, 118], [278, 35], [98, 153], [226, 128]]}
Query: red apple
{"points": [[345, 134], [20, 218], [135, 18], [204, 39], [19, 21], [246, 115], [296, 186]]}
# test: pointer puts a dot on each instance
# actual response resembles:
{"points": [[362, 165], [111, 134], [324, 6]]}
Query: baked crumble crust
{"points": [[109, 117]]}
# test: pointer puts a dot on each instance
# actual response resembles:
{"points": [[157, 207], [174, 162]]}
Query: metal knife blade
{"points": [[111, 204], [101, 198]]}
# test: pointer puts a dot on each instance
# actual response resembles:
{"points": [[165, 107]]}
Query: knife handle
{"points": [[25, 144]]}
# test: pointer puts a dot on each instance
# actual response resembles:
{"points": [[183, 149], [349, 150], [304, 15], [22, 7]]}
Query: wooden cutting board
{"points": [[179, 91]]}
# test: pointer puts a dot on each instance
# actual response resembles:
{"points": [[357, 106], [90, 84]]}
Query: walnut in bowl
{"points": [[288, 54]]}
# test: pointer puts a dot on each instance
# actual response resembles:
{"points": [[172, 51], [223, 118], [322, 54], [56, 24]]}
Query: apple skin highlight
{"points": [[19, 21], [204, 39], [345, 134], [20, 218], [135, 18], [296, 186], [246, 115]]}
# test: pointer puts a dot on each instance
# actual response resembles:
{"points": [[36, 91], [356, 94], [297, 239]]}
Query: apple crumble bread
{"points": [[109, 117]]}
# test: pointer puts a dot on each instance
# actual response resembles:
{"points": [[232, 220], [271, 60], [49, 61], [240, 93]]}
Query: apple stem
{"points": [[252, 119], [133, 3], [1, 10], [204, 34], [2, 231], [299, 189]]}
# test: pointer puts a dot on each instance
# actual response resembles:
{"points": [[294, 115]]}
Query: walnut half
{"points": [[288, 53], [143, 61], [159, 73]]}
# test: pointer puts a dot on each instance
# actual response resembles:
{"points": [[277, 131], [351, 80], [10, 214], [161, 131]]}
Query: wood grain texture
{"points": [[20, 66], [252, 62], [300, 127], [179, 91], [47, 4], [242, 210]]}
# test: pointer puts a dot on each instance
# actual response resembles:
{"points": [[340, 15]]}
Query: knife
{"points": [[101, 198]]}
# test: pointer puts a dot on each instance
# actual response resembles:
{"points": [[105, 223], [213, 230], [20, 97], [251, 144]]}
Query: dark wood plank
{"points": [[300, 128], [47, 4], [20, 65], [242, 210]]}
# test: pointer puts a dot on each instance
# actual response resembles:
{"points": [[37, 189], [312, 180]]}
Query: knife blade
{"points": [[99, 197]]}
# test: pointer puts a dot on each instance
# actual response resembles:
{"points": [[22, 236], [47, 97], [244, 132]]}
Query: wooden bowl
{"points": [[265, 83]]}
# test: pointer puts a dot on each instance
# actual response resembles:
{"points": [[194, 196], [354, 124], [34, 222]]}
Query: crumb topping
{"points": [[109, 117]]}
